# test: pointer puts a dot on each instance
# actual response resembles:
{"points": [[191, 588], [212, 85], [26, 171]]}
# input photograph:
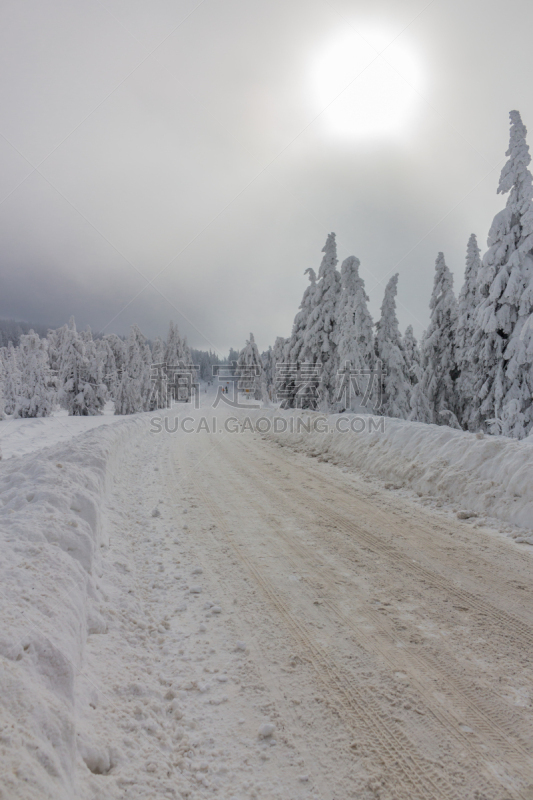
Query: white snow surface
{"points": [[121, 665], [21, 436], [52, 530], [487, 475]]}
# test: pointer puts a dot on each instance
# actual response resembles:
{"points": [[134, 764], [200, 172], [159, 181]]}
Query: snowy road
{"points": [[390, 647]]}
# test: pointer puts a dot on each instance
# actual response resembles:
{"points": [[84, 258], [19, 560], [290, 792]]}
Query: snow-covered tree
{"points": [[439, 370], [354, 336], [319, 346], [95, 390], [159, 397], [180, 375], [250, 372], [118, 348], [286, 385], [420, 411], [174, 350], [296, 340], [3, 351], [412, 354], [186, 352], [81, 388], [35, 396], [505, 383], [158, 351], [272, 363], [109, 371], [12, 377], [466, 353], [396, 383], [135, 389], [55, 339]]}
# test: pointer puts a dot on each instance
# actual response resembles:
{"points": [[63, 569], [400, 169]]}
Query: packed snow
{"points": [[489, 476], [21, 436]]}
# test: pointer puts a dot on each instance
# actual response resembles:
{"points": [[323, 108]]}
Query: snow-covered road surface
{"points": [[275, 628]]}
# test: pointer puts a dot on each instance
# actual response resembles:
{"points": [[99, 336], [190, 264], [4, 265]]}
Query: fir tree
{"points": [[439, 369], [12, 378], [35, 396], [135, 389], [278, 358], [159, 397], [296, 341], [250, 372], [395, 394], [354, 336], [505, 375], [109, 371], [174, 351], [81, 388], [466, 353], [319, 346], [118, 348], [412, 354], [286, 383]]}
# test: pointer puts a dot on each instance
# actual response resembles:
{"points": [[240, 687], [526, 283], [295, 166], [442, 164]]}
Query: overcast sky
{"points": [[183, 159]]}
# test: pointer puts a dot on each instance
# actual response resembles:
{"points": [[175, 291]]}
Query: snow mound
{"points": [[489, 475], [18, 437], [51, 531]]}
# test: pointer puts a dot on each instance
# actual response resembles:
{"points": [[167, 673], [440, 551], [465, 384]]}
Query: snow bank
{"points": [[21, 436], [51, 529], [491, 475]]}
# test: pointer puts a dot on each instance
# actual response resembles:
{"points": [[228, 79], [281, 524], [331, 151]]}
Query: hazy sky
{"points": [[183, 159]]}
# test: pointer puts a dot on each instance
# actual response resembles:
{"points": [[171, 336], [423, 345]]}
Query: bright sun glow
{"points": [[383, 96]]}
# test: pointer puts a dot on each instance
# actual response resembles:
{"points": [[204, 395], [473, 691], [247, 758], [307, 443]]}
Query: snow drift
{"points": [[489, 475], [51, 530]]}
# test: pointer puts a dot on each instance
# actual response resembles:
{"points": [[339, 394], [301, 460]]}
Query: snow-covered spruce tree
{"points": [[411, 352], [354, 335], [296, 340], [71, 369], [504, 379], [274, 375], [35, 396], [174, 351], [109, 370], [420, 411], [286, 385], [439, 370], [188, 361], [319, 346], [118, 348], [177, 357], [55, 340], [250, 372], [396, 383], [466, 353], [158, 351], [268, 369], [159, 397], [95, 389], [135, 389], [11, 378], [3, 351], [186, 352], [81, 388]]}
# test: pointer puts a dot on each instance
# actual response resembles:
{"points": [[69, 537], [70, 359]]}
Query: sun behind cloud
{"points": [[367, 83]]}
